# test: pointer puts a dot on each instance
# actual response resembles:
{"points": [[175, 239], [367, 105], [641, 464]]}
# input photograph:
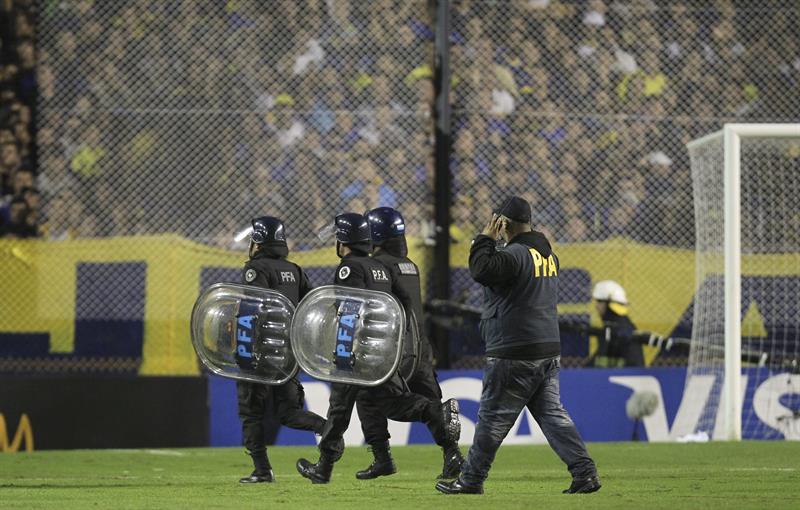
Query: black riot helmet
{"points": [[385, 223], [268, 232], [388, 230], [352, 229], [267, 229]]}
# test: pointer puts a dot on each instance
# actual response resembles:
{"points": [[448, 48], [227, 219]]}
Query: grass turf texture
{"points": [[634, 475]]}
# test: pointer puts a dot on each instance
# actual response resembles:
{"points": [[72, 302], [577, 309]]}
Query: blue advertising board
{"points": [[595, 398]]}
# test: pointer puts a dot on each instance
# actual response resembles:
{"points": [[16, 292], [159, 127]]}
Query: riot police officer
{"points": [[357, 269], [388, 236], [268, 268]]}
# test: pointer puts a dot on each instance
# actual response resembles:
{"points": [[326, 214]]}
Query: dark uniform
{"points": [[269, 269], [520, 328], [423, 381], [388, 230], [616, 346], [391, 398], [406, 286]]}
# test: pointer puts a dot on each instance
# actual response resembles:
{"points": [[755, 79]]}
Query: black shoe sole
{"points": [[374, 476], [589, 490], [452, 424], [255, 480], [313, 480]]}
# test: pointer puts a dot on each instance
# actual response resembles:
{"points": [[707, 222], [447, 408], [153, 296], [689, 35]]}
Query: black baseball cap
{"points": [[515, 209]]}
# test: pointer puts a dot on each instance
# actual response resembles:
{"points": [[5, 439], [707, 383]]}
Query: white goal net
{"points": [[765, 293]]}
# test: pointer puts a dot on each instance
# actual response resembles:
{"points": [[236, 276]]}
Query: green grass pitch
{"points": [[634, 475]]}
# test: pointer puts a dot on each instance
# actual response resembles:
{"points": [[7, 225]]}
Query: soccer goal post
{"points": [[746, 184]]}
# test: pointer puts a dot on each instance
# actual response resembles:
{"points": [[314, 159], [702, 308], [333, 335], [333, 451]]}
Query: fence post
{"points": [[441, 257]]}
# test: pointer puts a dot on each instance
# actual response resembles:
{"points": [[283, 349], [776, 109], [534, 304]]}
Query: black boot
{"points": [[453, 460], [382, 465], [317, 473], [259, 477], [583, 485], [458, 487], [263, 470]]}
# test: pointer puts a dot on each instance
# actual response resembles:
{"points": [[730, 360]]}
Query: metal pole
{"points": [[441, 256], [732, 403]]}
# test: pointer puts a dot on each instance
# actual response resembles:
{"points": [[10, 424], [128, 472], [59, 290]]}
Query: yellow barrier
{"points": [[38, 284]]}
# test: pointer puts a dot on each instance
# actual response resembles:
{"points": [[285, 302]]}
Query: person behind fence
{"points": [[387, 228], [269, 269], [520, 328], [616, 346], [392, 398]]}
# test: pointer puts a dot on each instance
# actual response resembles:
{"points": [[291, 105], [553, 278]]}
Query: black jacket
{"points": [[405, 280], [270, 271], [616, 345], [520, 319], [360, 271], [406, 286]]}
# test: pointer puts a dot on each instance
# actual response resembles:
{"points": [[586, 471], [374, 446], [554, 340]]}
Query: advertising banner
{"points": [[596, 400]]}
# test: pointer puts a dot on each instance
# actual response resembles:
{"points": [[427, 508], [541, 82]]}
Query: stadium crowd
{"points": [[182, 116], [20, 200]]}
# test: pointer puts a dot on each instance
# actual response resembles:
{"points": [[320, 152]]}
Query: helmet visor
{"points": [[326, 233]]}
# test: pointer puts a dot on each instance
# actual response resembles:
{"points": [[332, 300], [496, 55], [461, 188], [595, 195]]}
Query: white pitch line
{"points": [[171, 453], [761, 469]]}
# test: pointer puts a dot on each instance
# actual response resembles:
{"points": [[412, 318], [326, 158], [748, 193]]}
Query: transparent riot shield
{"points": [[243, 332], [347, 335]]}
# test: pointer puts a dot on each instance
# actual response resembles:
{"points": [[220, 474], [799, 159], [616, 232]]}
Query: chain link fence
{"points": [[162, 122], [189, 118], [584, 109]]}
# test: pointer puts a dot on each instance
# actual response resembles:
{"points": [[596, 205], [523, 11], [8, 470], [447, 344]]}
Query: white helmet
{"points": [[609, 290]]}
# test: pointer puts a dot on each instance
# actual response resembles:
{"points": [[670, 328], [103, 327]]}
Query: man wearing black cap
{"points": [[269, 269], [392, 398], [520, 328]]}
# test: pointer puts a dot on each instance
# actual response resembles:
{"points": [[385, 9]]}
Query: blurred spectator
{"points": [[20, 180], [33, 199], [369, 187], [179, 106], [463, 228], [56, 226], [10, 161], [20, 224]]}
